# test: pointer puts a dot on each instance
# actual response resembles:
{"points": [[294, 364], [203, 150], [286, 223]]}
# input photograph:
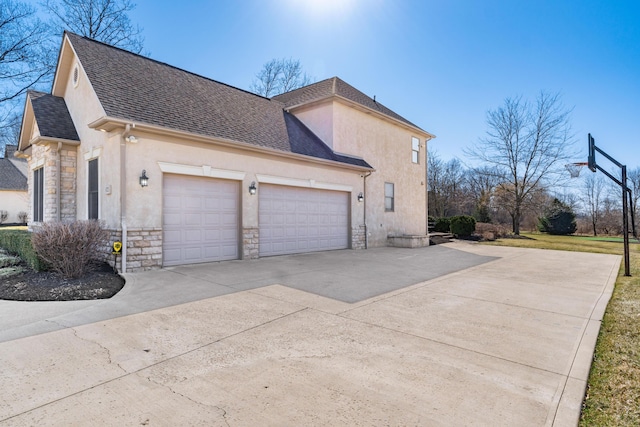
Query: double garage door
{"points": [[201, 220]]}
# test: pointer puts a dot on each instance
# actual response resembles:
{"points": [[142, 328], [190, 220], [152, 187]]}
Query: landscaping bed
{"points": [[18, 282]]}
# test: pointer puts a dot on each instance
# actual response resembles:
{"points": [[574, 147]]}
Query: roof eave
{"points": [[44, 140], [111, 124]]}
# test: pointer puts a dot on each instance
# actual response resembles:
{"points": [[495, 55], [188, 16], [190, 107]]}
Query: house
{"points": [[184, 169], [13, 186]]}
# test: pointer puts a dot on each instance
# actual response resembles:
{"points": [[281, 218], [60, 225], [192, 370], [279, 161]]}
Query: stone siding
{"points": [[144, 249], [58, 166], [250, 243], [358, 237]]}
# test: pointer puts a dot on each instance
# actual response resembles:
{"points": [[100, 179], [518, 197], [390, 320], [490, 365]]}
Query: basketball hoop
{"points": [[575, 168]]}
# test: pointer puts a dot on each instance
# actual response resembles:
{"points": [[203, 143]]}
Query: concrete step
{"points": [[439, 238]]}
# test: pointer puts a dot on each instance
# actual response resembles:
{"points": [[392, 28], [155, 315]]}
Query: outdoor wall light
{"points": [[131, 139], [361, 197], [144, 179], [252, 188]]}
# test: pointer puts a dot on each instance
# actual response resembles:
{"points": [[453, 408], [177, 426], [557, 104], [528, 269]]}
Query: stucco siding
{"points": [[14, 202], [144, 205], [85, 108], [319, 118], [387, 147]]}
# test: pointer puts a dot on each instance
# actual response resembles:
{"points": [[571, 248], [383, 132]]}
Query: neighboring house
{"points": [[13, 186], [231, 175]]}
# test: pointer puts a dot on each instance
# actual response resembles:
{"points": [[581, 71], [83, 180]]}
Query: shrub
{"points": [[18, 242], [71, 248], [3, 216], [22, 216], [558, 218], [463, 225], [443, 225], [481, 213], [490, 231]]}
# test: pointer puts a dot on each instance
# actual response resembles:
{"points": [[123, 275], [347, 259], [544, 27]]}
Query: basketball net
{"points": [[575, 168]]}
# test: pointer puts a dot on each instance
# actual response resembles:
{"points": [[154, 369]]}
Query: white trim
{"points": [[93, 153], [203, 170], [37, 164], [304, 183]]}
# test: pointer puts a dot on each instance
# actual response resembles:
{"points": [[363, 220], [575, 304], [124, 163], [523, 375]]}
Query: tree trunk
{"points": [[515, 217], [595, 233]]}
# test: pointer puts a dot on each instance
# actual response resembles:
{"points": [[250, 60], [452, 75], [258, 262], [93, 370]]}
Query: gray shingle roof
{"points": [[10, 177], [136, 88], [336, 86], [52, 116]]}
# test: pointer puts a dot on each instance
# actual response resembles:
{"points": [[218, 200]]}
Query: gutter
{"points": [[109, 124]]}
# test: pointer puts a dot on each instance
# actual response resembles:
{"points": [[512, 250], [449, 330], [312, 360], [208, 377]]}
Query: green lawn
{"points": [[613, 393]]}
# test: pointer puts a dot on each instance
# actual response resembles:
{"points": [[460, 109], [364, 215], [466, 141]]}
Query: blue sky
{"points": [[441, 64]]}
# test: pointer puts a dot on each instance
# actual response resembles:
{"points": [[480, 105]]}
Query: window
{"points": [[388, 197], [93, 189], [38, 195], [415, 149]]}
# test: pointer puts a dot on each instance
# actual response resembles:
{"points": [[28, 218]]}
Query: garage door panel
{"points": [[200, 220], [295, 220]]}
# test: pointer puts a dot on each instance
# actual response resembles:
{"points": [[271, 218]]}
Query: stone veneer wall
{"points": [[57, 166], [144, 249], [250, 243], [358, 237], [68, 175]]}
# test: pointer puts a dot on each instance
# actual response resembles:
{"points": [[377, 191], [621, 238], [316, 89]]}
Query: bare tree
{"points": [[25, 60], [593, 198], [528, 143], [279, 76], [103, 20], [446, 186], [482, 182]]}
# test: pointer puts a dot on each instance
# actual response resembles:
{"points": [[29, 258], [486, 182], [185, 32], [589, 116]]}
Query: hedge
{"points": [[18, 242]]}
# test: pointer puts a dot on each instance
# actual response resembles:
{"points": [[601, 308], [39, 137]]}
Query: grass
{"points": [[613, 390]]}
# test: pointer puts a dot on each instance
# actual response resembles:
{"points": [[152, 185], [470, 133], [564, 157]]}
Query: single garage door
{"points": [[295, 220], [200, 220]]}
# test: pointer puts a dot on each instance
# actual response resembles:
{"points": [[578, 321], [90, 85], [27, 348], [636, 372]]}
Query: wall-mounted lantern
{"points": [[361, 197], [252, 188], [144, 179]]}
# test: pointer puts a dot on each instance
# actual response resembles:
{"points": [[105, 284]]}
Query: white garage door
{"points": [[295, 220], [200, 220]]}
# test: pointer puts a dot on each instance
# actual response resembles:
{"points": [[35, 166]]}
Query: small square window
{"points": [[388, 197], [415, 150]]}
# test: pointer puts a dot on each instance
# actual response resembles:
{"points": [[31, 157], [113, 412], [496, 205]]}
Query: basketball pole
{"points": [[626, 191]]}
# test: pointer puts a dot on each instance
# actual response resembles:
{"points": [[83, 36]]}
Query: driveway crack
{"points": [[105, 349], [189, 398]]}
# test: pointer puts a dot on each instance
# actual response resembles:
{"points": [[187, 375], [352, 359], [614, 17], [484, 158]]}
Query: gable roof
{"points": [[52, 116], [11, 178], [334, 86], [138, 89]]}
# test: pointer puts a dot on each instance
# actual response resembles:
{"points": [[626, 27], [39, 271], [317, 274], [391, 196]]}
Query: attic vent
{"points": [[76, 75]]}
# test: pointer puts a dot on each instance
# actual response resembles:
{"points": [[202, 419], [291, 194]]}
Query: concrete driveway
{"points": [[459, 334]]}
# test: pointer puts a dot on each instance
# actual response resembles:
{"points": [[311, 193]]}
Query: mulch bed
{"points": [[31, 285]]}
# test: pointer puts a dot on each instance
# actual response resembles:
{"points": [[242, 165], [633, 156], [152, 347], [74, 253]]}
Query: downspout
{"points": [[364, 214], [123, 197], [59, 186]]}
